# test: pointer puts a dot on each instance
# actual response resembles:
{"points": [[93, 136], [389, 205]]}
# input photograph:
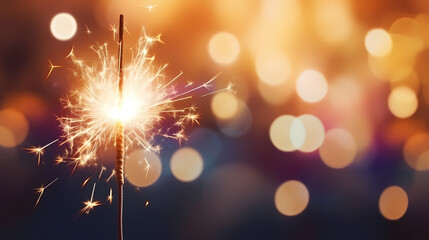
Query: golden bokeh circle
{"points": [[339, 148], [273, 67], [311, 86], [378, 42], [186, 164], [314, 133], [393, 203], [291, 198], [143, 168], [224, 48], [416, 150], [402, 102], [225, 105], [14, 127], [280, 133]]}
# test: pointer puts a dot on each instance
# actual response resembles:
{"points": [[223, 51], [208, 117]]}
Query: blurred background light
{"points": [[291, 198], [339, 148], [297, 133], [416, 151], [224, 105], [378, 42], [314, 133], [311, 86], [393, 203], [142, 168], [7, 139], [333, 20], [186, 164], [239, 124], [273, 67], [280, 133], [345, 94], [224, 48], [402, 102], [63, 26], [14, 128]]}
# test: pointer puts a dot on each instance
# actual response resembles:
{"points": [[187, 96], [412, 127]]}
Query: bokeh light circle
{"points": [[63, 26], [416, 150], [393, 203], [402, 102], [186, 164], [6, 138], [280, 133], [291, 198], [297, 133], [14, 128], [314, 133], [239, 124], [378, 42], [311, 86], [143, 168], [224, 105], [339, 148], [224, 48], [273, 67]]}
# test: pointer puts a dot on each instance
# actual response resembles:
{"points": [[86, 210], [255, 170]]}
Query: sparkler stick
{"points": [[120, 132]]}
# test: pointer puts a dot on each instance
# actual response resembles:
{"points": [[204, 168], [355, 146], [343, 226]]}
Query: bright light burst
{"points": [[90, 204], [39, 151], [147, 100]]}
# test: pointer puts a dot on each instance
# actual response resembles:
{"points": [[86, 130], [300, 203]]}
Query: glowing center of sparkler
{"points": [[129, 109]]}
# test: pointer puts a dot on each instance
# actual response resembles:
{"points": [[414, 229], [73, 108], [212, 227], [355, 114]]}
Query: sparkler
{"points": [[120, 144], [123, 106]]}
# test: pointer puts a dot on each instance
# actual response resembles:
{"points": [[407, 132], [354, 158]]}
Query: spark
{"points": [[41, 190], [84, 182], [189, 84], [87, 29], [229, 88], [147, 203], [114, 29], [71, 53], [39, 151], [148, 99], [110, 197], [59, 160], [90, 204], [101, 171], [52, 67], [150, 6], [111, 175]]}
